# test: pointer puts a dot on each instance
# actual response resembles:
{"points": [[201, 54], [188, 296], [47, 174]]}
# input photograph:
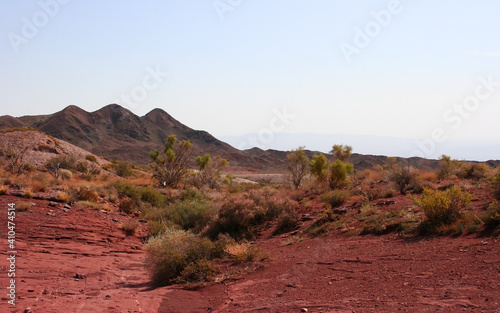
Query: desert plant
{"points": [[4, 189], [64, 197], [91, 158], [341, 152], [287, 221], [338, 173], [191, 214], [335, 198], [129, 227], [474, 171], [242, 252], [171, 252], [403, 176], [297, 165], [64, 174], [55, 164], [22, 206], [170, 165], [319, 166], [128, 205], [123, 168], [492, 219], [442, 207], [448, 167], [209, 170], [15, 159]]}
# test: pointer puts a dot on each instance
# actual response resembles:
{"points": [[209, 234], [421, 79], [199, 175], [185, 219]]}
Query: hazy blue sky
{"points": [[406, 69]]}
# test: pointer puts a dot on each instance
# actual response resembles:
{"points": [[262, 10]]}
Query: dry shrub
{"points": [[428, 176], [129, 227], [28, 193], [473, 171], [172, 252], [242, 252], [84, 193], [287, 221], [442, 207], [22, 206], [128, 205], [64, 197], [492, 219], [335, 198], [4, 189]]}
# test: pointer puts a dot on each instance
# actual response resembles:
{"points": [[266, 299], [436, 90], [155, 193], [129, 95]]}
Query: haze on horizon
{"points": [[388, 77]]}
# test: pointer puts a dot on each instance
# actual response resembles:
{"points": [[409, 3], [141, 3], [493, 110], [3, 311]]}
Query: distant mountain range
{"points": [[116, 133]]}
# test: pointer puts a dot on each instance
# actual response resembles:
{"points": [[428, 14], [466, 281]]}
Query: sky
{"points": [[419, 78]]}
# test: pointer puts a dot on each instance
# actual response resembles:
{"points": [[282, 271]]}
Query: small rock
{"points": [[143, 221], [303, 310], [52, 203], [108, 297], [306, 217], [65, 210], [31, 290], [79, 276], [340, 211], [27, 310], [67, 206]]}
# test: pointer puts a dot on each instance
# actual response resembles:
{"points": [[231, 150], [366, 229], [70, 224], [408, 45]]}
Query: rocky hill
{"points": [[116, 133]]}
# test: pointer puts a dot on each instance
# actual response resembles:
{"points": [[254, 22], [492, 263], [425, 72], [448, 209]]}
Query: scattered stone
{"points": [[386, 202], [27, 310], [114, 220], [108, 297], [52, 203], [306, 217], [303, 310], [79, 276], [143, 221], [31, 290], [339, 211], [65, 210], [67, 206]]}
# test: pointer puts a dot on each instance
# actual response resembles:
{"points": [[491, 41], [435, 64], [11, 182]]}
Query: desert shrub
{"points": [[64, 197], [91, 158], [128, 205], [88, 170], [3, 189], [155, 227], [28, 193], [474, 171], [209, 172], [22, 206], [170, 165], [380, 223], [403, 177], [442, 207], [338, 174], [127, 188], [335, 198], [172, 251], [123, 168], [298, 166], [152, 196], [242, 252], [496, 187], [191, 214], [129, 227], [236, 218], [199, 271], [84, 193], [63, 161], [65, 174], [287, 221], [146, 194], [447, 168], [492, 219]]}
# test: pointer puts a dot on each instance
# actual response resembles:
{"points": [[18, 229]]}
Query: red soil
{"points": [[80, 261]]}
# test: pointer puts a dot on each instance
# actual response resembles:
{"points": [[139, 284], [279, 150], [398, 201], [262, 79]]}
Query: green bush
{"points": [[442, 207], [492, 219], [146, 194], [191, 214], [236, 218], [175, 252], [335, 198], [128, 205]]}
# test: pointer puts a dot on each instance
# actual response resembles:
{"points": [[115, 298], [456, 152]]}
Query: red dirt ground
{"points": [[80, 261]]}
